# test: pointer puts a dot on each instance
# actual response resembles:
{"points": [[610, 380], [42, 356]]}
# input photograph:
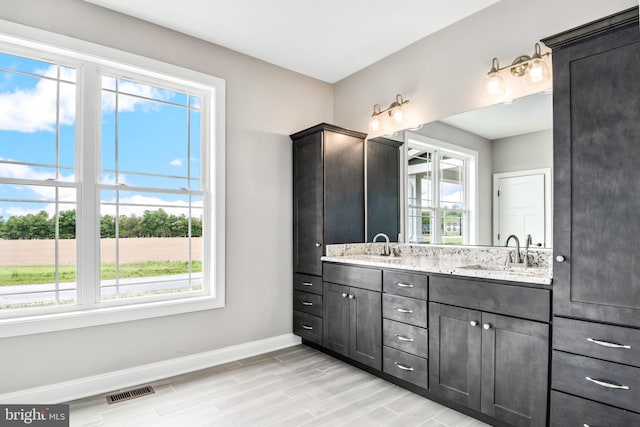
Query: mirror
{"points": [[477, 177]]}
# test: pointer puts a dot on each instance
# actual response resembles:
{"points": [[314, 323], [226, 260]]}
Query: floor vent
{"points": [[129, 394]]}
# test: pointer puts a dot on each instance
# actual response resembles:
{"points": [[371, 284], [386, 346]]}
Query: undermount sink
{"points": [[377, 258], [512, 268]]}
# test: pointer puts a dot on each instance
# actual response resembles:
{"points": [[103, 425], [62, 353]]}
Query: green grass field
{"points": [[38, 274]]}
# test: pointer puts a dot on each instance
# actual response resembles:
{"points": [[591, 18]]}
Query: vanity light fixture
{"points": [[532, 68], [395, 112]]}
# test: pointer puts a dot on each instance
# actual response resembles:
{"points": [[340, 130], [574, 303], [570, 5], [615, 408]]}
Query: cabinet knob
{"points": [[560, 258], [318, 244], [473, 323], [351, 296], [344, 295], [487, 326]]}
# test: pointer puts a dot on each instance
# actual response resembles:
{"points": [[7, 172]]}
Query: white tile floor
{"points": [[297, 386]]}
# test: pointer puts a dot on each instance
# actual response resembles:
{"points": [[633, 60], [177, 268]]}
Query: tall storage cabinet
{"points": [[597, 220], [328, 208]]}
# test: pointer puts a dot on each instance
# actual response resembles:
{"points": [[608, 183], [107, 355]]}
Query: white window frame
{"points": [[91, 59], [470, 183]]}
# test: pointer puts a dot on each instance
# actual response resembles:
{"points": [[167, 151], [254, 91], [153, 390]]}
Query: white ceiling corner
{"points": [[327, 40]]}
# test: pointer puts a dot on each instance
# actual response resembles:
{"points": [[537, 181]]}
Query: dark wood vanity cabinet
{"points": [[489, 362], [596, 279], [352, 313]]}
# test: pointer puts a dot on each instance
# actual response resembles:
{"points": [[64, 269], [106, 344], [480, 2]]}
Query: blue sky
{"points": [[152, 138]]}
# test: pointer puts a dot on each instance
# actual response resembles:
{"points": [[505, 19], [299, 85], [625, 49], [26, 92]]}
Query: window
{"points": [[111, 187], [440, 192]]}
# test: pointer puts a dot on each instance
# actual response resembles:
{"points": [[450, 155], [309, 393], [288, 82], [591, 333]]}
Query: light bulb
{"points": [[398, 115], [494, 85], [374, 124], [537, 72]]}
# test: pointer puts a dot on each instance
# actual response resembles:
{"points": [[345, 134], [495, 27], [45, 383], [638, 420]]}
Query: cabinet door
{"points": [[383, 188], [515, 369], [597, 178], [343, 188], [455, 353], [335, 318], [307, 204], [365, 339]]}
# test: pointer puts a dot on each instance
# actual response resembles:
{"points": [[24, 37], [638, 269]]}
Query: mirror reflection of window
{"points": [[438, 191]]}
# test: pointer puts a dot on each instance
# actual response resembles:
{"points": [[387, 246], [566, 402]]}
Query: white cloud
{"points": [[34, 109], [129, 103], [176, 162], [38, 192]]}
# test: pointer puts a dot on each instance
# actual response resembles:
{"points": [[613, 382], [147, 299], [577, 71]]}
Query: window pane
{"points": [[37, 115], [451, 182], [452, 225], [34, 270], [150, 244]]}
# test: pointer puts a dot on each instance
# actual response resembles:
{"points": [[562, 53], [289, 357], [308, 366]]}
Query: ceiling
{"points": [[525, 115], [326, 39]]}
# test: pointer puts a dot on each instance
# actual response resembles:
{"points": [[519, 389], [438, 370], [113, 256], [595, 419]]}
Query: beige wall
{"points": [[443, 74], [523, 152], [264, 105]]}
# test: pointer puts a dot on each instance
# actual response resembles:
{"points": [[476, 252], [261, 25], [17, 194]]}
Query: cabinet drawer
{"points": [[308, 303], [405, 284], [406, 366], [569, 410], [612, 343], [307, 283], [408, 338], [359, 277], [520, 301], [570, 373], [405, 310], [307, 326]]}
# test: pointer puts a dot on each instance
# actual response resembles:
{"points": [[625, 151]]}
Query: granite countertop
{"points": [[481, 263]]}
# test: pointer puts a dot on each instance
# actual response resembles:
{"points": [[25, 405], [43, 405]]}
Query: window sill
{"points": [[80, 318]]}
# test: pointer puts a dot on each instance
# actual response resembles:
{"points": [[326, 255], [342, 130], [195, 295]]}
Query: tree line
{"points": [[151, 224]]}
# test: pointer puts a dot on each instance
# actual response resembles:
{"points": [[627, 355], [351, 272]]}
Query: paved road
{"points": [[30, 294]]}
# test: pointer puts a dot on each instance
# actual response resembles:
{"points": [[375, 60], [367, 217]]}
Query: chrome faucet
{"points": [[513, 236], [386, 249]]}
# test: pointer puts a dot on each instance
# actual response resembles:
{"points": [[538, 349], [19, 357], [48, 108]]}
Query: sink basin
{"points": [[377, 258], [517, 269]]}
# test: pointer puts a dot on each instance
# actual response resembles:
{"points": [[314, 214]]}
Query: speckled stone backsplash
{"points": [[487, 256]]}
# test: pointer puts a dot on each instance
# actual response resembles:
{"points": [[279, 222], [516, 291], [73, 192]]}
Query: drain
{"points": [[129, 394]]}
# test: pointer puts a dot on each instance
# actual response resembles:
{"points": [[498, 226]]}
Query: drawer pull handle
{"points": [[307, 303], [403, 338], [473, 323], [307, 284], [403, 367], [403, 310], [307, 327], [607, 384], [608, 344], [404, 285]]}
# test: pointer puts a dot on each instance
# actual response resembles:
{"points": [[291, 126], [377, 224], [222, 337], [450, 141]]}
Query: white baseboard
{"points": [[111, 381]]}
